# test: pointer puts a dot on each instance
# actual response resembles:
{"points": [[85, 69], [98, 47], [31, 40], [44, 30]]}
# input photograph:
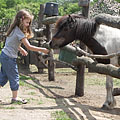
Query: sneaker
{"points": [[18, 101]]}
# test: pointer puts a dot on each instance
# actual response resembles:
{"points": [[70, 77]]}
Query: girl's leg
{"points": [[13, 76], [14, 94], [0, 99], [3, 77]]}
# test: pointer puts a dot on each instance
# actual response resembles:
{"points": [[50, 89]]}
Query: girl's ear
{"points": [[23, 17]]}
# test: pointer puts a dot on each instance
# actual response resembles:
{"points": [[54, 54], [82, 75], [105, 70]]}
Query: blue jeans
{"points": [[9, 71]]}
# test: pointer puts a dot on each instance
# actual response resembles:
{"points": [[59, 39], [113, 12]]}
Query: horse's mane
{"points": [[84, 25], [64, 18], [86, 28]]}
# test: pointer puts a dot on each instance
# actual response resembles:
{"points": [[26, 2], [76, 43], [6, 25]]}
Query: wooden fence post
{"points": [[41, 15], [79, 91], [51, 76], [40, 25]]}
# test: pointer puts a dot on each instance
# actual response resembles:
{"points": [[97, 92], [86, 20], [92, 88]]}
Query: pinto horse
{"points": [[100, 39]]}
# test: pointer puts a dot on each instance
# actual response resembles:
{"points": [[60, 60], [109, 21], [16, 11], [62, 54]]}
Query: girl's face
{"points": [[26, 22]]}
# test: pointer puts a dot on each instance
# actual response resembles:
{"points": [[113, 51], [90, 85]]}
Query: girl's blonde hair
{"points": [[20, 16]]}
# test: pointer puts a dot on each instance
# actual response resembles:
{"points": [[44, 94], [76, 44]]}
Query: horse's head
{"points": [[65, 32]]}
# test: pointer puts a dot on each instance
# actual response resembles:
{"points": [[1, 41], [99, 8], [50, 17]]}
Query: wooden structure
{"points": [[80, 72]]}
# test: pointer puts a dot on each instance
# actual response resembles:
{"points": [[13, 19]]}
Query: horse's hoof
{"points": [[104, 107], [116, 91]]}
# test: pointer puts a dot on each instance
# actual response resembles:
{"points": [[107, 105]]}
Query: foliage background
{"points": [[8, 8]]}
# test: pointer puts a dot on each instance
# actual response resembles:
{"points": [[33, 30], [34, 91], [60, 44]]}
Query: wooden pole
{"points": [[51, 76], [41, 15], [79, 91], [40, 25]]}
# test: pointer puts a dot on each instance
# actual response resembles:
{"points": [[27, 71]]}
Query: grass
{"points": [[23, 77], [32, 93], [90, 78], [64, 70], [40, 102], [95, 79], [23, 82], [116, 82], [11, 107], [60, 115], [99, 79], [17, 103]]}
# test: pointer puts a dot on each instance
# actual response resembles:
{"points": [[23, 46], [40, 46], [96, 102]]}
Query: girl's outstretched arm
{"points": [[34, 48]]}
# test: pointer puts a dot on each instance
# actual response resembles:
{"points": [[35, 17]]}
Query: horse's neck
{"points": [[85, 31], [96, 48]]}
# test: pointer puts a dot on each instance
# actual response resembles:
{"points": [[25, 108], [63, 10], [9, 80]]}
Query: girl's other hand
{"points": [[24, 52]]}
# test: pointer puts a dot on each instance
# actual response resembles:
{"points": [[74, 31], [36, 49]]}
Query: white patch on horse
{"points": [[109, 38]]}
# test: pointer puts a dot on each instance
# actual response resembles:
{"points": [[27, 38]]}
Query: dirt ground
{"points": [[46, 97]]}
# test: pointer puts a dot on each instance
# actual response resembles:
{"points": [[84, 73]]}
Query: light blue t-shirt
{"points": [[12, 42]]}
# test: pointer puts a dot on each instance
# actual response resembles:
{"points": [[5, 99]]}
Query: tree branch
{"points": [[97, 56], [107, 69], [113, 21]]}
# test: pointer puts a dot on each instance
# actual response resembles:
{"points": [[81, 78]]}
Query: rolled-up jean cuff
{"points": [[1, 85], [15, 89]]}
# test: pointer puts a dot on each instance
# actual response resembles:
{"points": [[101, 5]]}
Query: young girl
{"points": [[19, 32]]}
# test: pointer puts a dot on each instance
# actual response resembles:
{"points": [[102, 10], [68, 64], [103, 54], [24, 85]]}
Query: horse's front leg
{"points": [[110, 101]]}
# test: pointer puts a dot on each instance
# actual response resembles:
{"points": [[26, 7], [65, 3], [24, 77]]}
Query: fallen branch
{"points": [[107, 69], [113, 21]]}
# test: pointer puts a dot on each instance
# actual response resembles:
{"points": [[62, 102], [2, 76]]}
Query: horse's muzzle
{"points": [[53, 45]]}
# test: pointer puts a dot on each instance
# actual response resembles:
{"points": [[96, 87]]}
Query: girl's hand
{"points": [[44, 50], [24, 52]]}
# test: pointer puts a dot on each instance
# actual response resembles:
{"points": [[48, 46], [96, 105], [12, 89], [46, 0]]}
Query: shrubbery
{"points": [[8, 8]]}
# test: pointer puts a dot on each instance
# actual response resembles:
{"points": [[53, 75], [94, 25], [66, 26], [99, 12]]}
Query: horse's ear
{"points": [[71, 18]]}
